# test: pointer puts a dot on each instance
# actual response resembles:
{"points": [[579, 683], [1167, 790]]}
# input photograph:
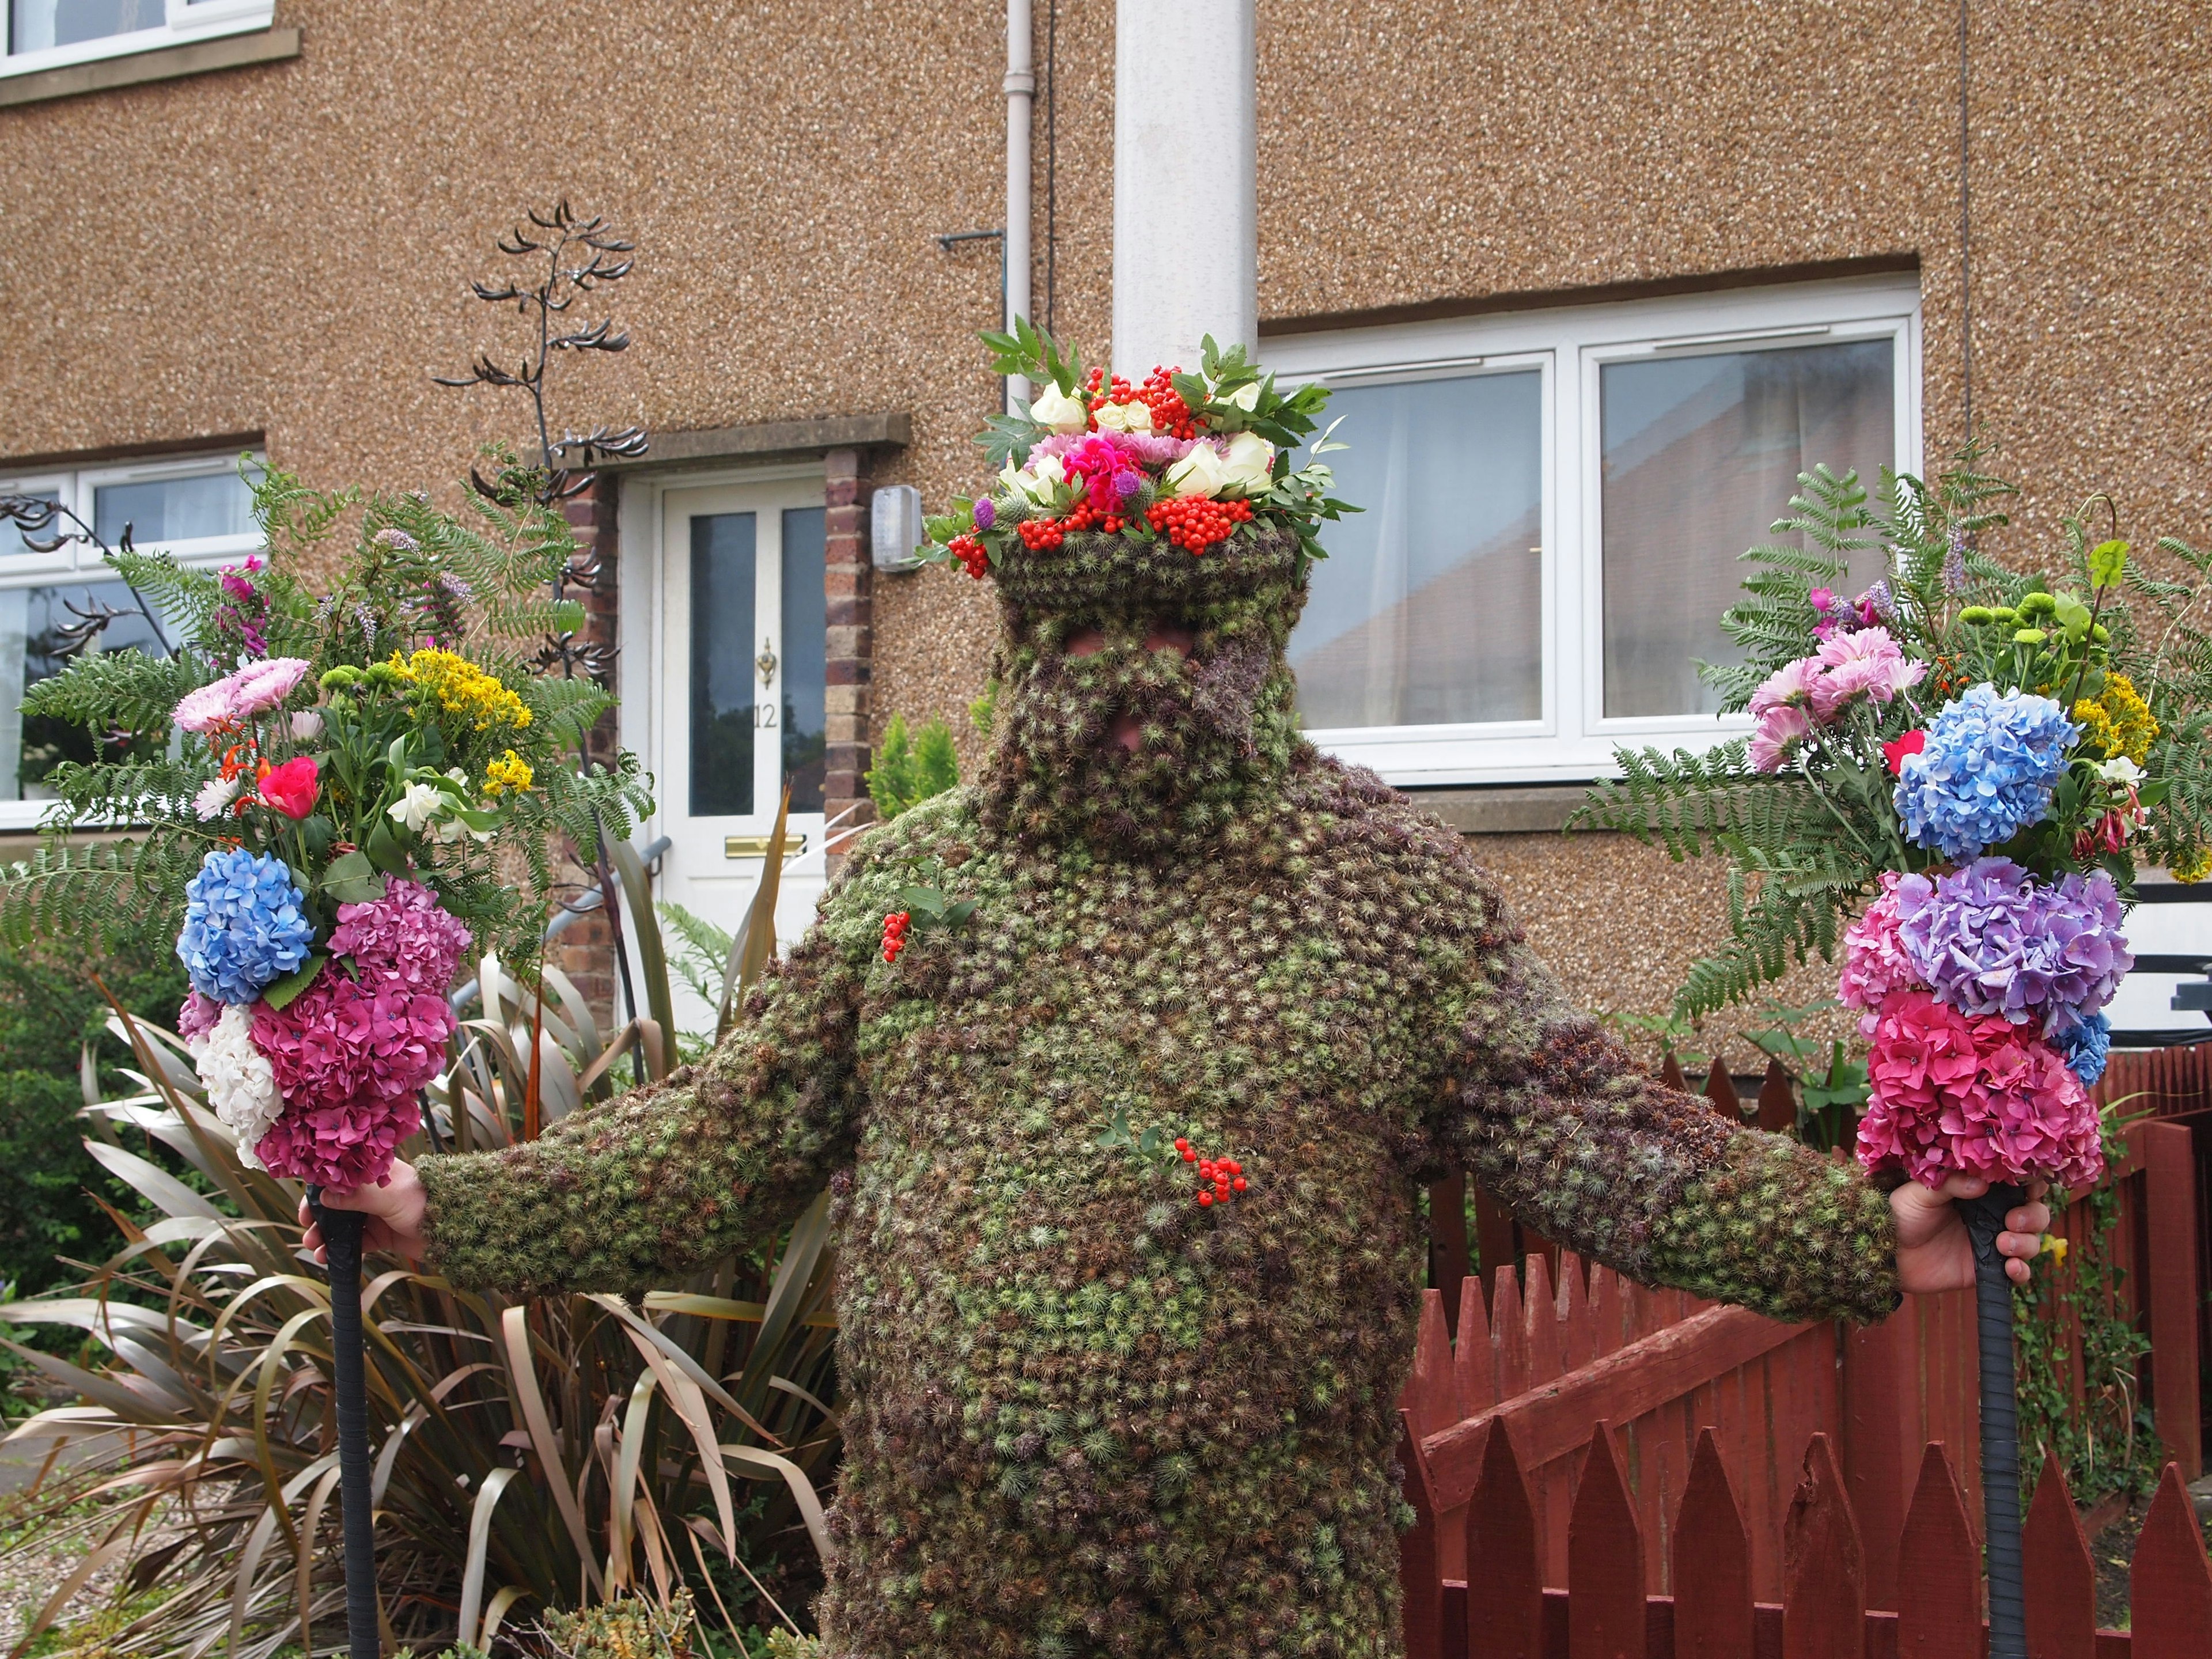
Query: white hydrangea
{"points": [[241, 1086]]}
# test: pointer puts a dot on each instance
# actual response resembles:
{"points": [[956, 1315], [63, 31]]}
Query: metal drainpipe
{"points": [[1021, 95]]}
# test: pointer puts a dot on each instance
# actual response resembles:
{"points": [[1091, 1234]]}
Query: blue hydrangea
{"points": [[245, 924], [1987, 772], [2087, 1046]]}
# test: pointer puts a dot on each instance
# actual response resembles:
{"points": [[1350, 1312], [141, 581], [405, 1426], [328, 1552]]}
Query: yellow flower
{"points": [[2054, 1248], [2192, 866], [462, 688], [509, 772], [2119, 723]]}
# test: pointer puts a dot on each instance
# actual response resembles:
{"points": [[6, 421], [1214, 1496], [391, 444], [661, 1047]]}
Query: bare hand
{"points": [[394, 1211], [1933, 1250]]}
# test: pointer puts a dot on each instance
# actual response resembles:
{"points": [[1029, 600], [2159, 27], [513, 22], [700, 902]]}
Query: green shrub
{"points": [[910, 771]]}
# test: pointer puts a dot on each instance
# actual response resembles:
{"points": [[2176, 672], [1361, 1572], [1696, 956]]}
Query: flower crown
{"points": [[1188, 461]]}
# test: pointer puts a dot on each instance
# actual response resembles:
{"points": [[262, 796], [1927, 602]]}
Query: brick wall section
{"points": [[585, 951], [848, 578]]}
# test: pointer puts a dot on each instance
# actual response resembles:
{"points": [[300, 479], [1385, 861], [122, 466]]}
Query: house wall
{"points": [[278, 249]]}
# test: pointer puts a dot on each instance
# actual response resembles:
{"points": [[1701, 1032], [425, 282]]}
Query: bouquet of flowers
{"points": [[330, 797], [1189, 459], [1971, 758]]}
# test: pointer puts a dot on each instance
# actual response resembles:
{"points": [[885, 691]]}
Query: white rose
{"points": [[1040, 484], [240, 1085], [1125, 417], [1246, 397], [416, 808], [1055, 409], [2121, 770], [1248, 469], [1199, 473]]}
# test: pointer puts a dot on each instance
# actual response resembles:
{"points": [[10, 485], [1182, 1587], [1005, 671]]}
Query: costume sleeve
{"points": [[646, 1188], [1549, 1114]]}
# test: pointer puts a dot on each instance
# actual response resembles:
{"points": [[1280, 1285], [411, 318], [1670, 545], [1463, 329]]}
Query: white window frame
{"points": [[184, 22], [79, 565], [1573, 742]]}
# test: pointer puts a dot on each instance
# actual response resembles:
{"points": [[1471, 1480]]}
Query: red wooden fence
{"points": [[1603, 1608]]}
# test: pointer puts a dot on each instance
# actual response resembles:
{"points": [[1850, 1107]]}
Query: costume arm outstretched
{"points": [[648, 1188], [1549, 1114]]}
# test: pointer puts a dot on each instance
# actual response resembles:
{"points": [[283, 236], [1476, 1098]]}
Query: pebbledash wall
{"points": [[260, 240]]}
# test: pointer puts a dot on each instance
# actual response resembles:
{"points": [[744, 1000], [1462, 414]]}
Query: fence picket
{"points": [[1604, 1560], [1939, 1567], [1509, 1333], [1474, 1364], [1720, 1090], [2169, 1586], [1433, 1391], [1712, 1562], [1670, 1073], [1541, 1320], [1604, 1304], [1448, 1241], [1823, 1616], [1420, 1574], [1578, 1329], [1506, 1582], [2062, 1581], [1777, 1101]]}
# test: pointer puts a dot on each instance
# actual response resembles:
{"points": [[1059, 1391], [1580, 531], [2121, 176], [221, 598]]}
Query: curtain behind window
{"points": [[1701, 455]]}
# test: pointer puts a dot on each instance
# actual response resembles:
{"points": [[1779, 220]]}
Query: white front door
{"points": [[734, 680]]}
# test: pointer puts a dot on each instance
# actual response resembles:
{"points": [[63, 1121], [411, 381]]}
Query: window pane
{"points": [[39, 627], [1429, 608], [12, 534], [174, 509], [804, 672], [722, 647], [1701, 455], [35, 25]]}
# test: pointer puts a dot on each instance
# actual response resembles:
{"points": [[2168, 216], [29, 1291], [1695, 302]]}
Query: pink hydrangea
{"points": [[1875, 962], [254, 690], [198, 1016], [342, 1145], [1865, 663], [403, 939], [1955, 1096], [1778, 727]]}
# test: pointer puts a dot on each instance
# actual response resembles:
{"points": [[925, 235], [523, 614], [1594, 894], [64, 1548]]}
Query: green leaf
{"points": [[1190, 388], [279, 992], [1150, 1140], [957, 913], [1117, 1132], [352, 879], [2108, 562], [385, 851], [926, 900]]}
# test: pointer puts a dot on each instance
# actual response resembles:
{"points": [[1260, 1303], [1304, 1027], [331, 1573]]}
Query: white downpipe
{"points": [[1186, 219], [1021, 95]]}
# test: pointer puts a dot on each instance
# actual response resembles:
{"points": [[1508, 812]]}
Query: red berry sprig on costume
{"points": [[972, 556], [1195, 522], [895, 929], [1223, 1177]]}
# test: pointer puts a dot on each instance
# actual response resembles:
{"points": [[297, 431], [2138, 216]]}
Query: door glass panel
{"points": [[174, 509], [1701, 455], [723, 709], [1429, 608], [804, 675], [40, 628]]}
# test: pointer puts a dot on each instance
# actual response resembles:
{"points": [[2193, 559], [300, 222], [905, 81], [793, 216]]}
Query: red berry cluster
{"points": [[1225, 1175], [894, 926], [1196, 523], [973, 559], [1171, 416], [1037, 533]]}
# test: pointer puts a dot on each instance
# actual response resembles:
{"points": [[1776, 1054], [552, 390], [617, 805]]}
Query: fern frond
{"points": [[106, 691]]}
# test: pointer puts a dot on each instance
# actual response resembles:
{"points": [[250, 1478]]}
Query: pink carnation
{"points": [[403, 939], [1867, 661], [1955, 1096], [1875, 961], [256, 688], [341, 1146]]}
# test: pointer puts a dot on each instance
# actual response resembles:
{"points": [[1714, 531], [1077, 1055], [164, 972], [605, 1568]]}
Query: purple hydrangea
{"points": [[245, 924], [1991, 761], [1990, 939]]}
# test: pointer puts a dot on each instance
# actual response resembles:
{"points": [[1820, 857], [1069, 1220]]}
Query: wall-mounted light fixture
{"points": [[895, 527]]}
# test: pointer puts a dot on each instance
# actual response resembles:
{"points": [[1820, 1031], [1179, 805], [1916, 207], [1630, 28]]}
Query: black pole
{"points": [[342, 1243], [1985, 1218]]}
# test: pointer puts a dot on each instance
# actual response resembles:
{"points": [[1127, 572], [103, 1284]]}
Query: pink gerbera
{"points": [[254, 690]]}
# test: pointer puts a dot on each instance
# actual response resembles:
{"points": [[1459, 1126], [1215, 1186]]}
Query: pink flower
{"points": [[1875, 960], [291, 788], [198, 1016], [403, 939], [1788, 686], [1779, 728], [1981, 1096], [1894, 751], [253, 690], [343, 1037], [1868, 661], [342, 1145]]}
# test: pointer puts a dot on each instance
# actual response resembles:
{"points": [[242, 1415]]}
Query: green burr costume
{"points": [[1089, 1415]]}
